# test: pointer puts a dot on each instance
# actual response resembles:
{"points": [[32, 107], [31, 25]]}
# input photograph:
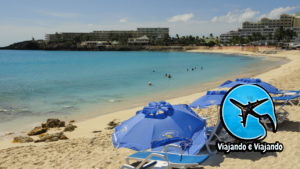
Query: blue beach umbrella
{"points": [[159, 124], [268, 87], [211, 98]]}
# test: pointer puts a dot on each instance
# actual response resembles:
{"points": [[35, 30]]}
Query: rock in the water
{"points": [[70, 127], [37, 130], [22, 139], [52, 137], [71, 121], [52, 123]]}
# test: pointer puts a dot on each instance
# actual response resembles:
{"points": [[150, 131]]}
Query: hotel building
{"points": [[154, 34], [266, 27]]}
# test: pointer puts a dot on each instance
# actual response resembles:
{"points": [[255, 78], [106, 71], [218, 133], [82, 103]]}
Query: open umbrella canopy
{"points": [[159, 124], [211, 98], [268, 87]]}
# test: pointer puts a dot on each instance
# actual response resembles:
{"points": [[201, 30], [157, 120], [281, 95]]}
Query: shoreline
{"points": [[94, 111], [188, 98], [88, 149], [83, 119]]}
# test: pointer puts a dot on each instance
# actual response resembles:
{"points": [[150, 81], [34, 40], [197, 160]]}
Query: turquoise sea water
{"points": [[39, 84]]}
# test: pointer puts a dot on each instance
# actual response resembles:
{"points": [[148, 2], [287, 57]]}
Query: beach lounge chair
{"points": [[216, 134], [145, 165], [179, 158], [171, 159], [268, 87], [281, 112], [288, 99], [289, 92]]}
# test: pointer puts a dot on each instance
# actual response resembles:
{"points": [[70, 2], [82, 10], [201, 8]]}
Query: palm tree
{"points": [[279, 34], [289, 34], [270, 36]]}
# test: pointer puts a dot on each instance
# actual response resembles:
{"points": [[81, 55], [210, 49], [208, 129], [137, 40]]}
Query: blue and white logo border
{"points": [[274, 126]]}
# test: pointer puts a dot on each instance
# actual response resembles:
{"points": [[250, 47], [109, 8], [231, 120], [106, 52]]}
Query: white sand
{"points": [[86, 149]]}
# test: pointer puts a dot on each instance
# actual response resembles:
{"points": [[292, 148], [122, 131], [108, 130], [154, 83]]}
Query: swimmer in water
{"points": [[150, 83]]}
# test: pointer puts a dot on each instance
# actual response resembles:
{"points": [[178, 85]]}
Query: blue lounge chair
{"points": [[180, 152], [173, 154], [289, 92], [147, 165], [281, 113], [211, 98], [268, 87], [288, 99], [171, 159]]}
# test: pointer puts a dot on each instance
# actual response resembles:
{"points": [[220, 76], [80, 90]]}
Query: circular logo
{"points": [[243, 110]]}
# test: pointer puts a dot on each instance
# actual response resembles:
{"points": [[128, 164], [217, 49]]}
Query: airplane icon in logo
{"points": [[248, 109]]}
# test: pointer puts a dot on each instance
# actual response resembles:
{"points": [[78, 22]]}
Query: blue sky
{"points": [[22, 20]]}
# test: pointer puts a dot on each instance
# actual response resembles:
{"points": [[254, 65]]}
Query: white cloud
{"points": [[275, 13], [16, 32], [181, 18], [236, 16], [180, 24], [58, 14], [123, 20]]}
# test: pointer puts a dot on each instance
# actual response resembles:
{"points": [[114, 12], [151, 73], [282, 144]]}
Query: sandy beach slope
{"points": [[90, 145]]}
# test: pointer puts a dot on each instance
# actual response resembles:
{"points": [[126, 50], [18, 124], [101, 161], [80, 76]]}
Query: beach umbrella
{"points": [[211, 98], [159, 124], [268, 87]]}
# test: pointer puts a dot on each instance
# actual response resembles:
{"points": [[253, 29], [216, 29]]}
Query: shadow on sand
{"points": [[293, 126], [289, 103], [217, 159]]}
